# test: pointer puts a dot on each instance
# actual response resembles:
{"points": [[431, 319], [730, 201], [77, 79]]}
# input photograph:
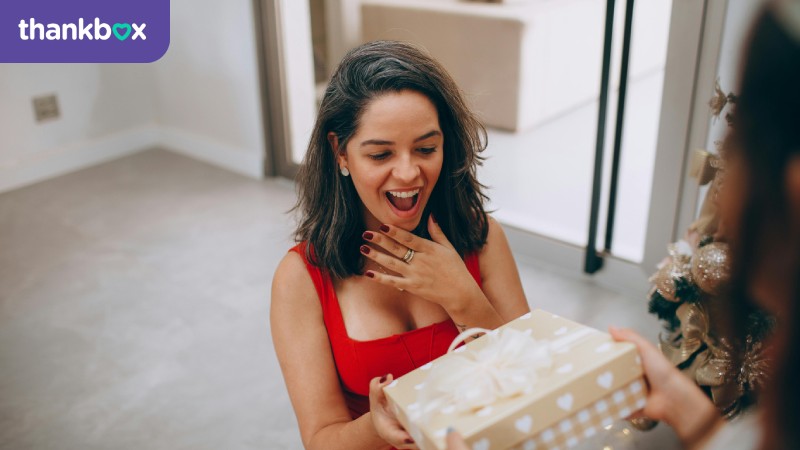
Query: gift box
{"points": [[538, 382]]}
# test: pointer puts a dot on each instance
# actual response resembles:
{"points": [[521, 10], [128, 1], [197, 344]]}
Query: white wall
{"points": [[107, 110], [738, 18], [201, 99], [206, 86]]}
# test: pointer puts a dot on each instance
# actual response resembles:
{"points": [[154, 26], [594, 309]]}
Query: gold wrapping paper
{"points": [[591, 369]]}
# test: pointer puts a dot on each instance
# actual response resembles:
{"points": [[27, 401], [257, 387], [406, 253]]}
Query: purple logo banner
{"points": [[83, 31]]}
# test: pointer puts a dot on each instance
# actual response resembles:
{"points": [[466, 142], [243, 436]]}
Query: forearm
{"points": [[693, 417], [358, 434], [474, 310]]}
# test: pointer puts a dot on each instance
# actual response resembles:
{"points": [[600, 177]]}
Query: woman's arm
{"points": [[303, 349], [500, 276]]}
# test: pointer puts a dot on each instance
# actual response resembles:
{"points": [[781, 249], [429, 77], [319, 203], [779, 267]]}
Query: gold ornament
{"points": [[677, 265], [694, 333], [711, 267], [718, 101]]}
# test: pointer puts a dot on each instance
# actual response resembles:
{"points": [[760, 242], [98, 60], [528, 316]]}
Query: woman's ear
{"points": [[341, 156]]}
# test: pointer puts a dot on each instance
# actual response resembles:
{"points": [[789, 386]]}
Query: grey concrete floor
{"points": [[134, 300]]}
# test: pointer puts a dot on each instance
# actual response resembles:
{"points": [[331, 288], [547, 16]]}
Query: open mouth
{"points": [[403, 201]]}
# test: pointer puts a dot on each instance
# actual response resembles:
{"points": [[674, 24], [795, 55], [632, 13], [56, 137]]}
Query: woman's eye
{"points": [[427, 150], [379, 156]]}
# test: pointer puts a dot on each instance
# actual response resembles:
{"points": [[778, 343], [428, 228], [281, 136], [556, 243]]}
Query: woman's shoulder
{"points": [[494, 236], [292, 274]]}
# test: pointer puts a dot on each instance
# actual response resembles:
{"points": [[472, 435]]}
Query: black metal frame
{"points": [[593, 260]]}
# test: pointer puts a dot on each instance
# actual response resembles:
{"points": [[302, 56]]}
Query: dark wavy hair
{"points": [[329, 207], [766, 134]]}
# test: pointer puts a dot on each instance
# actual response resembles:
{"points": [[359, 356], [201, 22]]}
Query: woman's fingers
{"points": [[437, 234], [406, 238], [385, 422], [385, 242]]}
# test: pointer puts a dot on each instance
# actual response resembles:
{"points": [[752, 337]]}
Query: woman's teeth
{"points": [[403, 201], [405, 194]]}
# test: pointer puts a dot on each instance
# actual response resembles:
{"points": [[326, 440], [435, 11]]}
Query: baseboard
{"points": [[625, 277], [248, 162], [21, 172]]}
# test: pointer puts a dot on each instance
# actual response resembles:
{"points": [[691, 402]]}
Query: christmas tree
{"points": [[688, 288]]}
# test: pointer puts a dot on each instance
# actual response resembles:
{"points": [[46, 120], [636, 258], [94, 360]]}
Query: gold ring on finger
{"points": [[409, 256]]}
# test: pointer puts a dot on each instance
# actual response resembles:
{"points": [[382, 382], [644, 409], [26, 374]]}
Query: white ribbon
{"points": [[510, 362]]}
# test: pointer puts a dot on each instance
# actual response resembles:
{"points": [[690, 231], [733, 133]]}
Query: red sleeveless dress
{"points": [[357, 362]]}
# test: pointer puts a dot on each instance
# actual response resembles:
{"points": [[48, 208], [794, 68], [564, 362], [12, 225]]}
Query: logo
{"points": [[83, 30], [31, 30]]}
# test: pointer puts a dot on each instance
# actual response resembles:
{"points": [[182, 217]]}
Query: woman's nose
{"points": [[406, 170]]}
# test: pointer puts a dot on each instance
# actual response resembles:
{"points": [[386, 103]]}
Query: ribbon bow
{"points": [[510, 362]]}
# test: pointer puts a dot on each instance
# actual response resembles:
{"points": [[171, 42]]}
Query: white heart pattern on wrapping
{"points": [[524, 424], [603, 347], [565, 402], [526, 316], [420, 386], [560, 331], [530, 444], [392, 384], [566, 368], [427, 366], [483, 444], [605, 379]]}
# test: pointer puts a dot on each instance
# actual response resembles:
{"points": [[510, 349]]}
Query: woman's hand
{"points": [[383, 419], [434, 271], [673, 397]]}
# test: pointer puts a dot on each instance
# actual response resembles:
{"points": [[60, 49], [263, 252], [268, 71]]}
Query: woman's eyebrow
{"points": [[431, 133], [384, 142]]}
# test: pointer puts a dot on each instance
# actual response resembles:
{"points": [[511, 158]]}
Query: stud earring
{"points": [[345, 172]]}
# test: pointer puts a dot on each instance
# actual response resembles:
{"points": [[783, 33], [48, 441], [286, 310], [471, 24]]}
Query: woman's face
{"points": [[394, 158]]}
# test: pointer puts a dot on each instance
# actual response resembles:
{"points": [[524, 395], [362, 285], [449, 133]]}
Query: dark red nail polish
{"points": [[385, 228], [409, 441], [434, 219], [367, 235], [383, 379], [365, 249], [370, 274]]}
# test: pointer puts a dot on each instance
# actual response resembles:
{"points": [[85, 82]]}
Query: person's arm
{"points": [[500, 276], [437, 274], [304, 353], [673, 397]]}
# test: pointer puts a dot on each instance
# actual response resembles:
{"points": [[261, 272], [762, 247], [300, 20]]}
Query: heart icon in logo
{"points": [[483, 444], [565, 402], [121, 26], [524, 424], [605, 379]]}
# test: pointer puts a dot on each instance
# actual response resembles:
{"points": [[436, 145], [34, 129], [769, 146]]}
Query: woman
{"points": [[761, 208], [395, 253]]}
